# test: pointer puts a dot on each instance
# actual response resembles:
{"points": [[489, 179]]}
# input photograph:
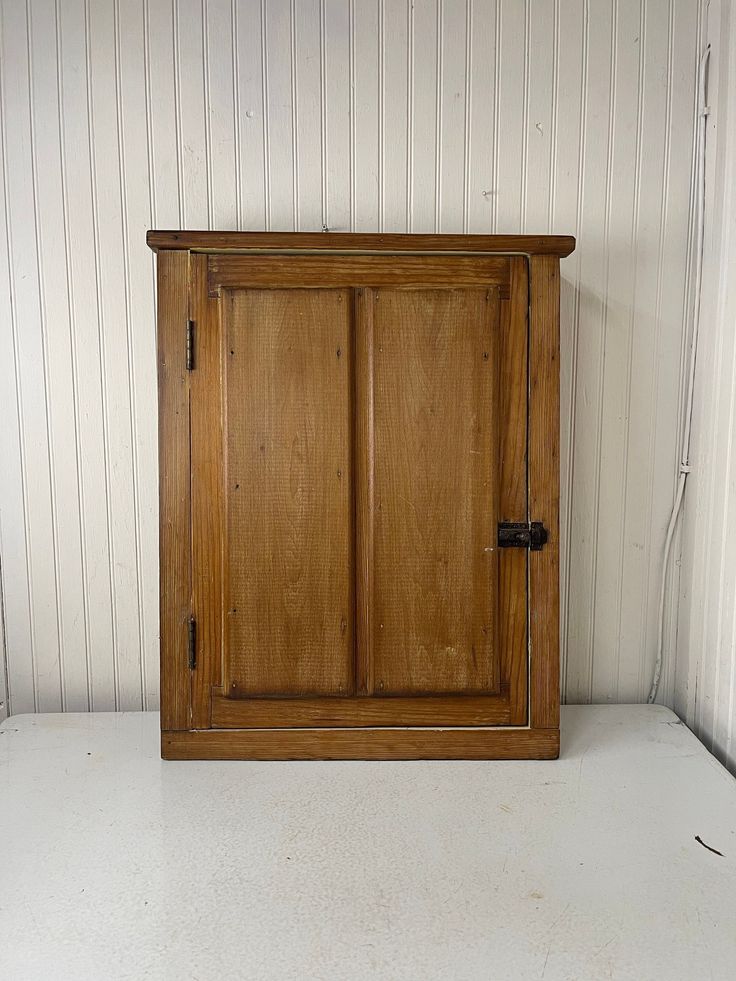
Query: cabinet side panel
{"points": [[544, 488], [289, 547], [436, 422], [173, 388]]}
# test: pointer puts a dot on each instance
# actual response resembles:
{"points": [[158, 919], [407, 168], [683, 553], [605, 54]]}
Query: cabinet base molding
{"points": [[361, 744]]}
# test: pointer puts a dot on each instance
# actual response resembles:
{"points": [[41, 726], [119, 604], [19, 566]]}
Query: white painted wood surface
{"points": [[446, 115], [117, 865], [705, 690]]}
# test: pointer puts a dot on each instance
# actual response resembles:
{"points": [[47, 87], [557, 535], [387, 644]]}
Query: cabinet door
{"points": [[358, 431]]}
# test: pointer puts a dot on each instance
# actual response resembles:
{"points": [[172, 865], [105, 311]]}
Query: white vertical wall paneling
{"points": [[480, 115], [616, 337], [190, 47], [424, 116], [111, 234], [539, 139], [161, 113], [592, 246], [251, 171], [281, 157], [512, 117], [307, 40], [453, 97], [14, 565], [674, 252], [337, 46], [394, 78], [37, 685], [449, 115], [135, 162], [566, 205], [365, 123], [59, 377], [705, 681], [220, 110]]}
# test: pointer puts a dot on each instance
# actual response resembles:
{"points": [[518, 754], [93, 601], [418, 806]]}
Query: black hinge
{"points": [[190, 345], [521, 534], [192, 644]]}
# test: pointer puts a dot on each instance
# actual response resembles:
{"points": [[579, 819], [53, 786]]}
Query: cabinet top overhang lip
{"points": [[357, 242]]}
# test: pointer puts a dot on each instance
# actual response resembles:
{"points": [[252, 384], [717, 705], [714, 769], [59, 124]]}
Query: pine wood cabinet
{"points": [[358, 495]]}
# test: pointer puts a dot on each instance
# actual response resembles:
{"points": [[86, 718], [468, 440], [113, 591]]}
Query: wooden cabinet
{"points": [[359, 446]]}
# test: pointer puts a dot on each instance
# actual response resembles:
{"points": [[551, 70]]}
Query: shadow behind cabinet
{"points": [[359, 442]]}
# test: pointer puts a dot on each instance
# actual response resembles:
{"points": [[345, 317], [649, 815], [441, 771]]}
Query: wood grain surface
{"points": [[173, 443], [513, 491], [364, 490], [213, 241], [443, 710], [544, 489], [208, 517], [323, 271], [289, 554], [362, 744], [435, 566]]}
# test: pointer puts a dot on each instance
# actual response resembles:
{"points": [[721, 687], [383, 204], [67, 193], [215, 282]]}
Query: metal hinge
{"points": [[192, 644], [522, 534], [190, 345]]}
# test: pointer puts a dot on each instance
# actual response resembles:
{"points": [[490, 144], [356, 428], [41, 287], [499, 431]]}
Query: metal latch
{"points": [[522, 534]]}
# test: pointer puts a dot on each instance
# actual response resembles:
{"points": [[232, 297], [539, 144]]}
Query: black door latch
{"points": [[520, 534]]}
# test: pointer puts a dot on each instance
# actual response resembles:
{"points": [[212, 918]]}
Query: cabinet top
{"points": [[559, 245]]}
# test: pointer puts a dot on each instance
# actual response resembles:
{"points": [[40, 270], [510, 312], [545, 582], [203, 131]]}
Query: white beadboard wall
{"points": [[705, 683], [566, 116]]}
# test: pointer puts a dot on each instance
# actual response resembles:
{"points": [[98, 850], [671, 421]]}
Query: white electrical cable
{"points": [[703, 111]]}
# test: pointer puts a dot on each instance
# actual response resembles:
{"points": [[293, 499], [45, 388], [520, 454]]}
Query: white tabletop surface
{"points": [[116, 865]]}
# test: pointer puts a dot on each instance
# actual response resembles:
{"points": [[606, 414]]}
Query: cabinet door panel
{"points": [[435, 487], [288, 447]]}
